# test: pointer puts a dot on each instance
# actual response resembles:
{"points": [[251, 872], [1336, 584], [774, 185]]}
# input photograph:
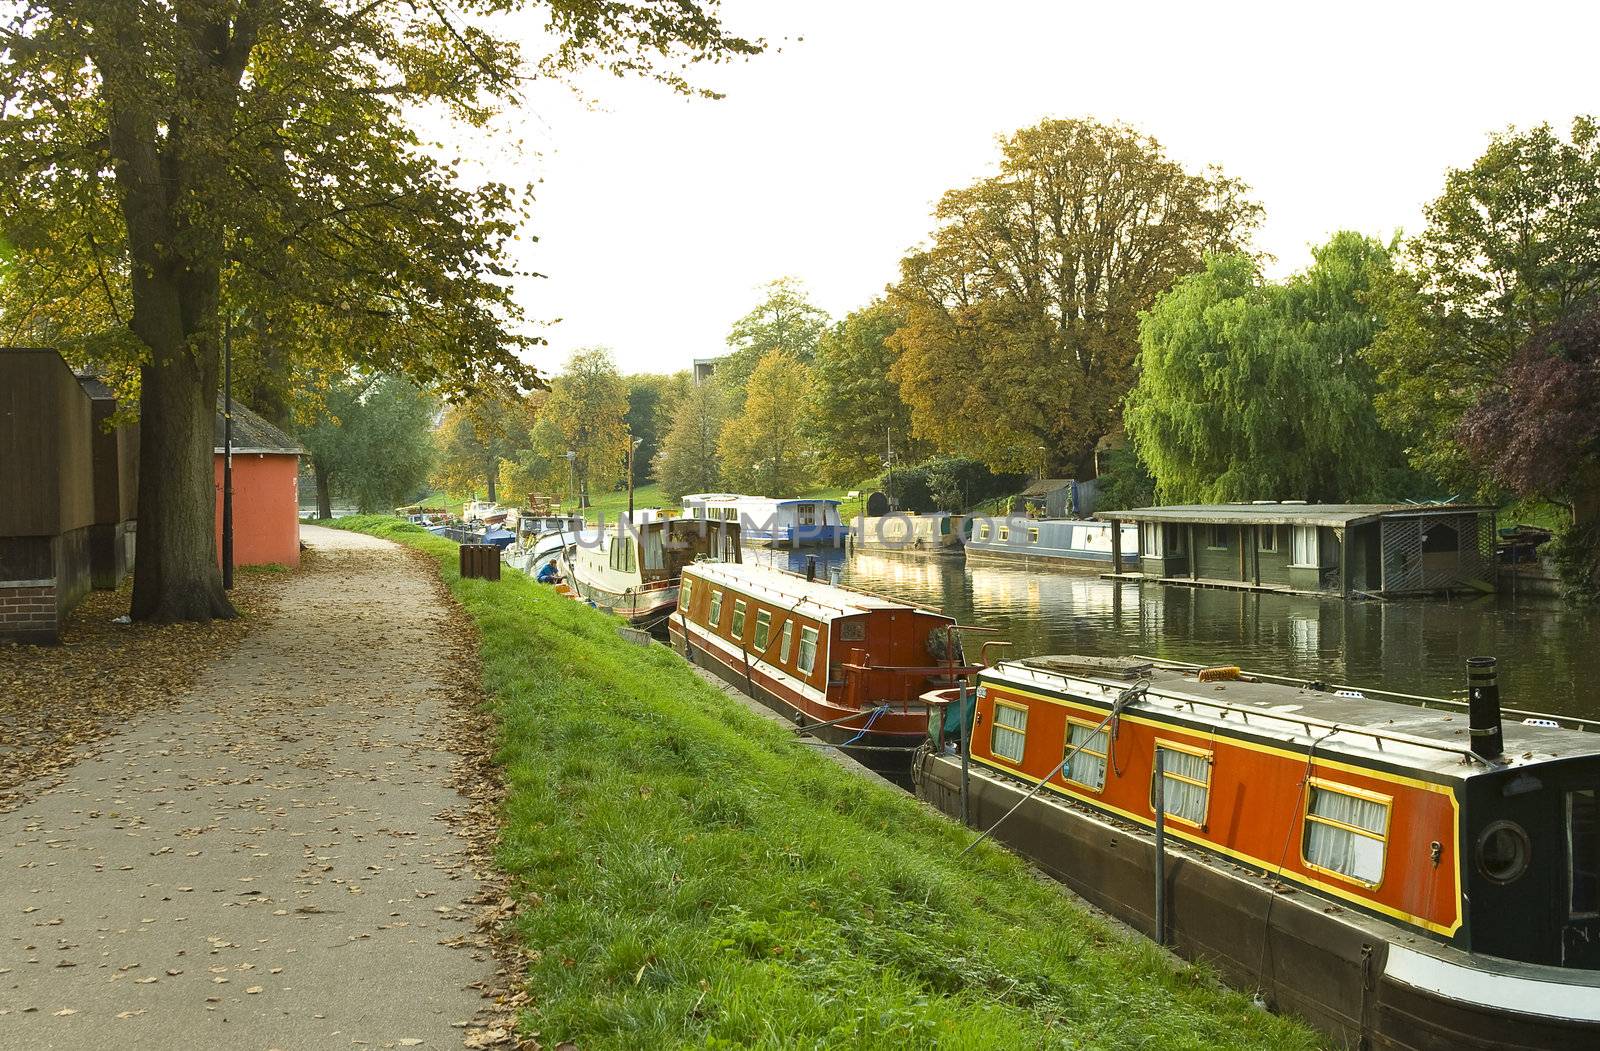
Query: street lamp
{"points": [[572, 464], [1042, 452], [633, 447]]}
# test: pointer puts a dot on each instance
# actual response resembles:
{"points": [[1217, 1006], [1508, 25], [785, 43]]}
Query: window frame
{"points": [[1104, 757], [685, 593], [805, 667], [1307, 818], [1295, 535], [983, 532], [1263, 544], [1033, 534], [1215, 533], [1178, 746], [714, 614], [788, 640], [740, 607], [996, 724], [1004, 534], [763, 638]]}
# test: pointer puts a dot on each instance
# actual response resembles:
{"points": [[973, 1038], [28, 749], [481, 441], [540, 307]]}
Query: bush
{"points": [[1124, 482], [946, 483], [1576, 554]]}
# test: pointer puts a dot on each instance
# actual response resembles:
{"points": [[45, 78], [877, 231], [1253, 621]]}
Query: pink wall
{"points": [[266, 508]]}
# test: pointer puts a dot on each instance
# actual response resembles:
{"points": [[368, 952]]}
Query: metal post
{"points": [[966, 752], [1161, 851], [227, 452]]}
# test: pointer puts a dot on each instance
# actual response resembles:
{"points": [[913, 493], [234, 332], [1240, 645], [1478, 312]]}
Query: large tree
{"points": [[176, 166], [763, 448], [688, 460], [855, 407], [1512, 245], [1256, 390], [1021, 316], [477, 433], [785, 321], [371, 442], [647, 393], [586, 414]]}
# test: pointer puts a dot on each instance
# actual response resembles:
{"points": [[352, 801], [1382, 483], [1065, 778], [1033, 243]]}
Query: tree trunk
{"points": [[490, 471], [324, 490], [176, 574]]}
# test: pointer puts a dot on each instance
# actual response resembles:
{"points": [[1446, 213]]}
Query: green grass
{"points": [[693, 877]]}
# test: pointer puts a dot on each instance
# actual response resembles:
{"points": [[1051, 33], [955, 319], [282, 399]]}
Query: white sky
{"points": [[659, 216]]}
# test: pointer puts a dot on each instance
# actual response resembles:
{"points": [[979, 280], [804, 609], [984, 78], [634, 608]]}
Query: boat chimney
{"points": [[1483, 706], [811, 567]]}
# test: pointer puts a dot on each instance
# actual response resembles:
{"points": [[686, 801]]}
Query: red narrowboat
{"points": [[1401, 876], [850, 666]]}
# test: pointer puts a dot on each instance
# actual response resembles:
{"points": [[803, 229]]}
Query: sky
{"points": [[658, 218]]}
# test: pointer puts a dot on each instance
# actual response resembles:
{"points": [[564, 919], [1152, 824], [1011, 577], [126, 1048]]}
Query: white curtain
{"points": [[1355, 854], [1088, 765], [1183, 799], [1009, 732]]}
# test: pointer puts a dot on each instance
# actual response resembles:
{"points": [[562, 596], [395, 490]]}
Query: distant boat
{"points": [[805, 522], [632, 569], [911, 533], [1065, 541]]}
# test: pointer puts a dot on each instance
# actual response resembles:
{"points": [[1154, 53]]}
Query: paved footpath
{"points": [[266, 865]]}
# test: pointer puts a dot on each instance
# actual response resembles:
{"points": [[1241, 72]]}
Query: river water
{"points": [[1549, 653]]}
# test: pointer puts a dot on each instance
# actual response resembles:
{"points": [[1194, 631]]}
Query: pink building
{"points": [[266, 503]]}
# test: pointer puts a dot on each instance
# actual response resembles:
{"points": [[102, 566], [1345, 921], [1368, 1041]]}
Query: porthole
{"points": [[1504, 852]]}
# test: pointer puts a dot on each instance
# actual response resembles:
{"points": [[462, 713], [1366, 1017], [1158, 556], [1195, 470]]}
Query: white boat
{"points": [[632, 568], [805, 522]]}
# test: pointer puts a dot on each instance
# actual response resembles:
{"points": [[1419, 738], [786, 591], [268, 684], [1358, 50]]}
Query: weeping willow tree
{"points": [[1256, 390]]}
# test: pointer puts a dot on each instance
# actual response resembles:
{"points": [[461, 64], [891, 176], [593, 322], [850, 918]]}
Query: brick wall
{"points": [[29, 610]]}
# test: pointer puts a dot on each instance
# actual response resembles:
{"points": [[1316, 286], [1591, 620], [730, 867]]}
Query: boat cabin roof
{"points": [[1343, 723], [1335, 516], [812, 598]]}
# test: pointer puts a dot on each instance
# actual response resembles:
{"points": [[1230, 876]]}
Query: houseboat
{"points": [[1062, 542], [910, 533], [849, 667], [632, 568], [1400, 876], [1377, 549], [763, 520]]}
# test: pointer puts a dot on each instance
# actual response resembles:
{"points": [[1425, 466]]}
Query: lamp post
{"points": [[572, 465], [227, 452], [1042, 451], [633, 446]]}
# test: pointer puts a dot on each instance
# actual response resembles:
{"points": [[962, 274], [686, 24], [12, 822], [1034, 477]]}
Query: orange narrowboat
{"points": [[849, 667], [1401, 875]]}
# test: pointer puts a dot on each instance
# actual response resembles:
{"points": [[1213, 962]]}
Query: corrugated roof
{"points": [[1045, 486], [252, 433], [1336, 516]]}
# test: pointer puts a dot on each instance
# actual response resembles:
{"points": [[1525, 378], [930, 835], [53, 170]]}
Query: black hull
{"points": [[1341, 973], [887, 755]]}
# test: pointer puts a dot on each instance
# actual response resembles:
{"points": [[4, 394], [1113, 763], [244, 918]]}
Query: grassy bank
{"points": [[697, 878]]}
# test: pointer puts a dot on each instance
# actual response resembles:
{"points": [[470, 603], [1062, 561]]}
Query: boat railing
{"points": [[1308, 722], [1414, 699]]}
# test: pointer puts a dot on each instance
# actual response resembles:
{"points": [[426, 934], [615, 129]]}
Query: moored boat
{"points": [[1400, 876], [1064, 542], [910, 533], [763, 520], [849, 666], [632, 568]]}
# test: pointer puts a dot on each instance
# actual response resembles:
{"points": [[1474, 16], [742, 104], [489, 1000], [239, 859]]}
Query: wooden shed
{"points": [[266, 504], [1384, 549]]}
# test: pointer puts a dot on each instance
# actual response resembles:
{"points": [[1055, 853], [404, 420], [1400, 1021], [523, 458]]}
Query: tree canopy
{"points": [[371, 443], [785, 320], [688, 461], [1022, 315], [1254, 390], [1511, 245], [586, 414], [171, 170], [855, 406], [763, 448]]}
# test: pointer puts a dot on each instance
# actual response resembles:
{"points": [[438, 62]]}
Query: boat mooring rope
{"points": [[1125, 698]]}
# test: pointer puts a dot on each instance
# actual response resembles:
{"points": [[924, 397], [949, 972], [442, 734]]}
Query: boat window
{"points": [[788, 637], [1186, 783], [716, 610], [1033, 536], [1305, 547], [1087, 766], [1009, 732], [685, 593], [807, 513], [1005, 533], [763, 629], [983, 532], [808, 651], [1346, 831], [1583, 848], [1269, 539], [699, 512], [738, 618]]}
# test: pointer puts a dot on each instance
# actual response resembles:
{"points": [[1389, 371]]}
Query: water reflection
{"points": [[1549, 653]]}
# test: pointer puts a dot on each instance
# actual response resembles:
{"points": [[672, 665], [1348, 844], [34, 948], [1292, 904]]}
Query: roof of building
{"points": [[1045, 486], [252, 433], [816, 598], [1336, 516]]}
